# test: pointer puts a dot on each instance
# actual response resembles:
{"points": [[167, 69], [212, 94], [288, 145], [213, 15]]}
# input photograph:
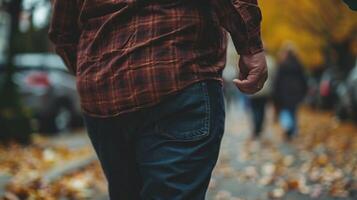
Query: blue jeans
{"points": [[167, 151], [288, 121]]}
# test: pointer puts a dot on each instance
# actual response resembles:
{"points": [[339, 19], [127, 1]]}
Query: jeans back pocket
{"points": [[186, 116]]}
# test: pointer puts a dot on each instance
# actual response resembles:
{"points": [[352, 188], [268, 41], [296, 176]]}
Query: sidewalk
{"points": [[319, 164], [49, 168]]}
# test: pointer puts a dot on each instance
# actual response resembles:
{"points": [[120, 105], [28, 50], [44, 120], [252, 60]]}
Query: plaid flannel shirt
{"points": [[131, 54]]}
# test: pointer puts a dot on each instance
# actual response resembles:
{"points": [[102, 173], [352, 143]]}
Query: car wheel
{"points": [[341, 113], [63, 119], [59, 121]]}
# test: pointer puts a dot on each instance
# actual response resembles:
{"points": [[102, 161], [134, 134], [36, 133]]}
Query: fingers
{"points": [[251, 84], [245, 90], [253, 73]]}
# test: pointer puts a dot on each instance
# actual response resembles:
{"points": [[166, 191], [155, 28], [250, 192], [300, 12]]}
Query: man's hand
{"points": [[253, 73]]}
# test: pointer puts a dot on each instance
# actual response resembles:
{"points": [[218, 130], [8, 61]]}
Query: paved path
{"points": [[225, 184], [238, 158]]}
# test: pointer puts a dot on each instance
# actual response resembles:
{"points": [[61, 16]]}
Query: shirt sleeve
{"points": [[242, 19], [64, 31]]}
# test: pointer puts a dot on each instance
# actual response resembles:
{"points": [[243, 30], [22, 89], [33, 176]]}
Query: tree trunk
{"points": [[15, 121], [345, 57]]}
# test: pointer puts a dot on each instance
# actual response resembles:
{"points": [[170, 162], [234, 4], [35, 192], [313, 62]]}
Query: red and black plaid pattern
{"points": [[130, 54]]}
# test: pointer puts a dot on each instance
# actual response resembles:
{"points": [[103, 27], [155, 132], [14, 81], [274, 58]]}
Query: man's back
{"points": [[131, 54]]}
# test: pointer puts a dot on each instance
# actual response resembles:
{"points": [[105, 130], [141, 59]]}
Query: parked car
{"points": [[49, 91], [329, 82], [322, 89], [312, 96], [346, 107]]}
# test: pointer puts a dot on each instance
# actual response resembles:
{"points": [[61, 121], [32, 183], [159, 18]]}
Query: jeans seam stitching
{"points": [[206, 122], [208, 108]]}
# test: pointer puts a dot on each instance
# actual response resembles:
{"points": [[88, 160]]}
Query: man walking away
{"points": [[149, 78]]}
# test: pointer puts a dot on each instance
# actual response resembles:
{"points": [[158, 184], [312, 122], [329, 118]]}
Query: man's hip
{"points": [[167, 151]]}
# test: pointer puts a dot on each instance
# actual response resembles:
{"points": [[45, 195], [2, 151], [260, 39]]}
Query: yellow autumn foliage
{"points": [[312, 25]]}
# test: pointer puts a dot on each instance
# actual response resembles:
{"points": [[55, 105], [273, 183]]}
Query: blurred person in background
{"points": [[259, 101], [289, 90], [149, 78]]}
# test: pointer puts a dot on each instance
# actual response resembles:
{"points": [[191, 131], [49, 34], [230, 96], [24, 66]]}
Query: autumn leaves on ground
{"points": [[320, 163], [51, 168]]}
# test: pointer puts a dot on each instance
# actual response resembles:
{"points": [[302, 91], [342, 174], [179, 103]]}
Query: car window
{"points": [[47, 61]]}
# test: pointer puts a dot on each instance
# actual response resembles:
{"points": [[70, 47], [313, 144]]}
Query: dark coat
{"points": [[290, 85]]}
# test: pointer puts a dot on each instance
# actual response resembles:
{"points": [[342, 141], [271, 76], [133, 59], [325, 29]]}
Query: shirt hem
{"points": [[138, 108]]}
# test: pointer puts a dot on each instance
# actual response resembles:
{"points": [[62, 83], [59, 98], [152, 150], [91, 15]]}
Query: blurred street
{"points": [[319, 164]]}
